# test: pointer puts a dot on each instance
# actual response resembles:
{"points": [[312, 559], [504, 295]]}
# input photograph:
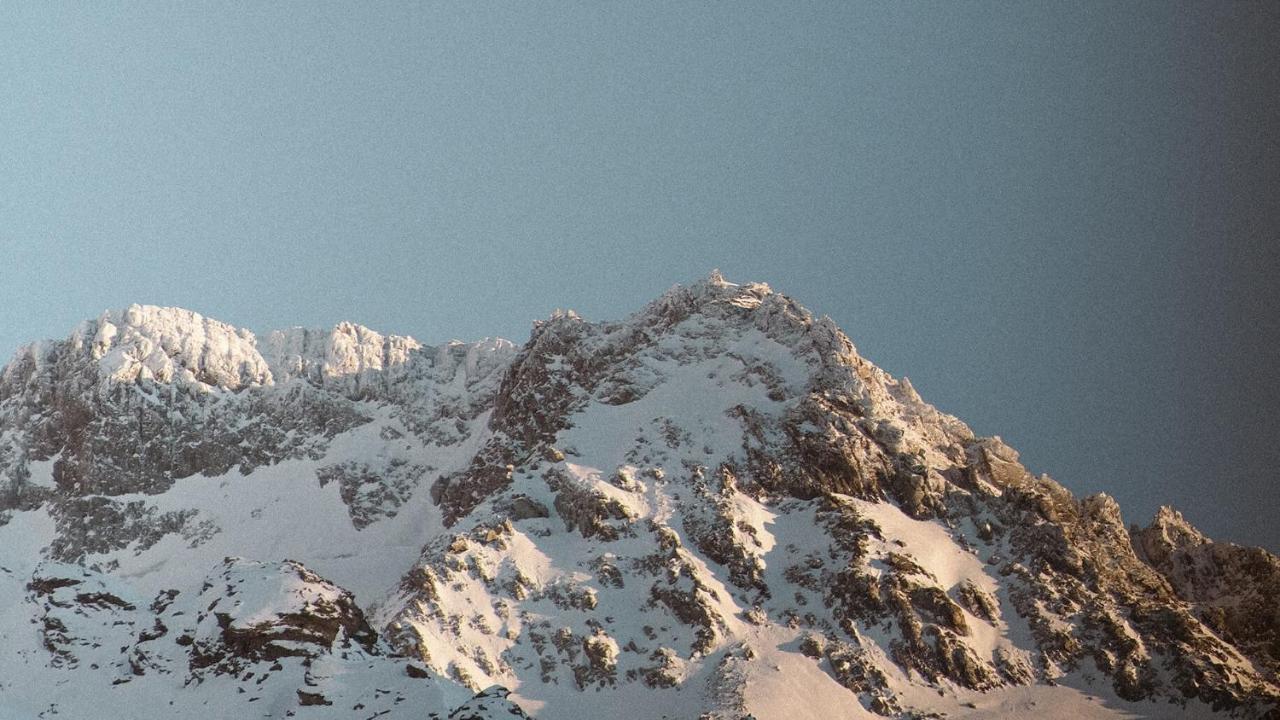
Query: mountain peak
{"points": [[1168, 533], [172, 345], [715, 287], [711, 508], [347, 349]]}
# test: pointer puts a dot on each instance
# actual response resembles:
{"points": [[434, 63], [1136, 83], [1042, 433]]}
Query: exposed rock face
{"points": [[693, 505], [291, 613], [372, 493], [489, 704], [1233, 590]]}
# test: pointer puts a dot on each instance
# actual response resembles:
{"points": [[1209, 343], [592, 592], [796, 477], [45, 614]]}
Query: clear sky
{"points": [[1062, 221]]}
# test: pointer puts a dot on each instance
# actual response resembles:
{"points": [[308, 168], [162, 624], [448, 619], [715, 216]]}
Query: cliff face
{"points": [[1233, 590], [713, 508]]}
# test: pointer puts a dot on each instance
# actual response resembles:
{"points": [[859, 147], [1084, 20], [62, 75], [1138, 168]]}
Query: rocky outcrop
{"points": [[373, 493], [489, 704], [1232, 589], [255, 612]]}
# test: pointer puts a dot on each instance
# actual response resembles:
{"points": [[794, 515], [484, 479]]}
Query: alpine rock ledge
{"points": [[712, 509]]}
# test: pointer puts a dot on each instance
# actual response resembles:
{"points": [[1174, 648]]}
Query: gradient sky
{"points": [[1061, 221]]}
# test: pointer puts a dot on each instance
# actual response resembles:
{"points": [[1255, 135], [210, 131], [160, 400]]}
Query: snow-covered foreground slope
{"points": [[714, 508]]}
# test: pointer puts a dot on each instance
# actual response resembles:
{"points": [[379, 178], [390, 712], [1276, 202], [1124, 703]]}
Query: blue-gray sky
{"points": [[1062, 221]]}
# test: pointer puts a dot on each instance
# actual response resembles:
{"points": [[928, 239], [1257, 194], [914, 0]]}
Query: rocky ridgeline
{"points": [[663, 505], [829, 429], [133, 401]]}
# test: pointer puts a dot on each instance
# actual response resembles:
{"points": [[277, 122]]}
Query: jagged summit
{"points": [[1170, 530], [701, 295], [169, 345], [713, 288], [175, 345], [714, 507], [346, 349]]}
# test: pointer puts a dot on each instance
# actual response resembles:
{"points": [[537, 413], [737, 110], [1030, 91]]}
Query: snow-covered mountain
{"points": [[714, 508]]}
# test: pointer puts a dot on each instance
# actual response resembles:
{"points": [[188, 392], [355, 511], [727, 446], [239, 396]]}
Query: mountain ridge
{"points": [[655, 509]]}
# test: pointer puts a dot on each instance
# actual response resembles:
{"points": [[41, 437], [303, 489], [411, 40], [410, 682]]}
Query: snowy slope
{"points": [[713, 508]]}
